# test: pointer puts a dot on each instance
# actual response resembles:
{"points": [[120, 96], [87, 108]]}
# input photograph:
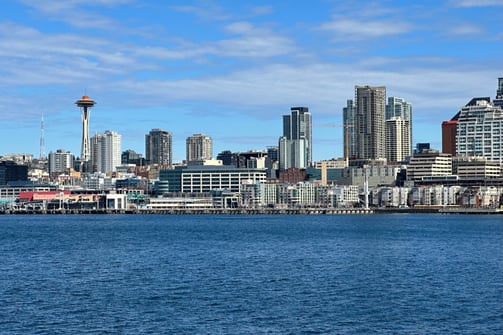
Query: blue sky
{"points": [[231, 69]]}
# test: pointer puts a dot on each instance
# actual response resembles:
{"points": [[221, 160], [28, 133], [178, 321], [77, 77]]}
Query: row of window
{"points": [[487, 139]]}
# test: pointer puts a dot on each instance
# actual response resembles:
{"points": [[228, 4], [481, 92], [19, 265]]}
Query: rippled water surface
{"points": [[133, 274]]}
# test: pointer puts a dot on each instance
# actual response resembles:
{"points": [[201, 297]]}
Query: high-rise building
{"points": [[59, 162], [398, 107], [480, 130], [199, 147], [349, 134], [370, 122], [159, 147], [295, 146], [106, 151], [398, 141]]}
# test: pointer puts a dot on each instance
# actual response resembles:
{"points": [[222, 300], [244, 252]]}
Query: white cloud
{"points": [[76, 12], [60, 6], [353, 29], [33, 59], [325, 87], [250, 42], [475, 3], [464, 30], [206, 10], [253, 42], [261, 10]]}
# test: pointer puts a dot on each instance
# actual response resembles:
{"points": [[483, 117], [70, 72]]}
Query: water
{"points": [[134, 274]]}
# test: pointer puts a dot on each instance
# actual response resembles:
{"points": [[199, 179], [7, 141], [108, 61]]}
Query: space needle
{"points": [[85, 103]]}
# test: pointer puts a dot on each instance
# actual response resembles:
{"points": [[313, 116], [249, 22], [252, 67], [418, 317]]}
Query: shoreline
{"points": [[262, 211]]}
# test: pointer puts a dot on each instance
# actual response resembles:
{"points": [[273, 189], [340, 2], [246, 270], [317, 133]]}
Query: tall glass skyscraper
{"points": [[159, 147], [295, 146]]}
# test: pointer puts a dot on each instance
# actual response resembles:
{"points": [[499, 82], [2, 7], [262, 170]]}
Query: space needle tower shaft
{"points": [[85, 104]]}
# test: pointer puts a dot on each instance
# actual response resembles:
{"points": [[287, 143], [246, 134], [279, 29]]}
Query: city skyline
{"points": [[231, 70]]}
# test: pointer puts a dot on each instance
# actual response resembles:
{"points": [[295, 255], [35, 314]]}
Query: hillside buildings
{"points": [[378, 169]]}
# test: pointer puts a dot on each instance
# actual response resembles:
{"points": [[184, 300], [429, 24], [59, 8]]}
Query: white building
{"points": [[399, 108], [98, 181], [480, 130], [106, 151], [394, 196], [429, 164], [205, 178], [292, 153], [398, 139], [346, 195], [476, 167], [451, 195], [59, 162], [268, 193]]}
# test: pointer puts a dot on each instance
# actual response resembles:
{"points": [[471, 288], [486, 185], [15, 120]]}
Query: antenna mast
{"points": [[42, 140]]}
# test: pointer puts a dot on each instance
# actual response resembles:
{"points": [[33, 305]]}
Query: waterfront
{"points": [[206, 274]]}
